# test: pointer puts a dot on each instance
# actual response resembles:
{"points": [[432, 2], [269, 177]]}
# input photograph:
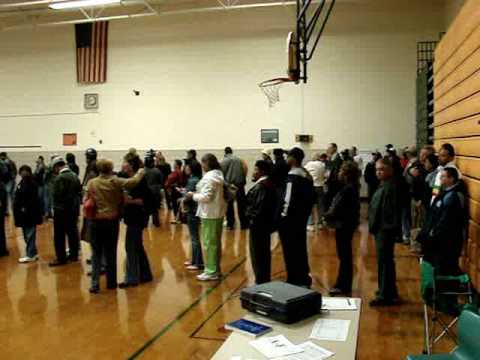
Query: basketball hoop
{"points": [[271, 89]]}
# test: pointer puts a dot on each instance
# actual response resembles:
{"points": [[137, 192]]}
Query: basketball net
{"points": [[271, 88]]}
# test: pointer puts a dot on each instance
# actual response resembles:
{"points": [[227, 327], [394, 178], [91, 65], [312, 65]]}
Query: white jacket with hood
{"points": [[209, 196]]}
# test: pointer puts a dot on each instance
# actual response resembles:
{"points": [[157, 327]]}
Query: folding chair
{"points": [[440, 294], [469, 341]]}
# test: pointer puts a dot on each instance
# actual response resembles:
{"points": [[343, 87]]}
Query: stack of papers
{"points": [[330, 330], [333, 304], [276, 346], [311, 352]]}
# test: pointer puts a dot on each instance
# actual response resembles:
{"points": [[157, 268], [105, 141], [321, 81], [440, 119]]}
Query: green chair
{"points": [[469, 340], [440, 294]]}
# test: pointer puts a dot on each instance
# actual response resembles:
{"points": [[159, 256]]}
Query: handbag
{"points": [[90, 205]]}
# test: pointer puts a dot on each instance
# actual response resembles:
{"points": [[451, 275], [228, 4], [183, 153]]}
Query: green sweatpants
{"points": [[212, 242]]}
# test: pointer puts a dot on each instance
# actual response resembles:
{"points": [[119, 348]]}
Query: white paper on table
{"points": [[330, 330], [338, 304], [312, 352], [275, 346]]}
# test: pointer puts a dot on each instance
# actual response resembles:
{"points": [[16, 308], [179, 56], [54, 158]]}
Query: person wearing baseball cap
{"points": [[296, 206]]}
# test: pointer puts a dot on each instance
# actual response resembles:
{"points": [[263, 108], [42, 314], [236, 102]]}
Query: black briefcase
{"points": [[281, 301]]}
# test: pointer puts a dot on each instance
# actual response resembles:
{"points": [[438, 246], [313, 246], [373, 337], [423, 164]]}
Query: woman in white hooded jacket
{"points": [[211, 210]]}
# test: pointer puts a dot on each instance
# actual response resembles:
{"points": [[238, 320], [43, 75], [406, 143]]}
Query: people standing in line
{"points": [[49, 181], [357, 158], [444, 232], [175, 181], [11, 178], [39, 177], [446, 159], [3, 210], [139, 204], [426, 151], [211, 210], [411, 163], [317, 169], [262, 203], [66, 205], [235, 171], [155, 183], [295, 208], [280, 169], [385, 223], [191, 157], [27, 211], [72, 164], [333, 168], [370, 175], [91, 170], [344, 217], [106, 191], [165, 168], [267, 155], [194, 173], [432, 168]]}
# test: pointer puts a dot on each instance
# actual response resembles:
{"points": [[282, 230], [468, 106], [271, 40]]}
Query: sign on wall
{"points": [[270, 136], [69, 139]]}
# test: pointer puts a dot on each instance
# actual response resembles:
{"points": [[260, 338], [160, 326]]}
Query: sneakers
{"points": [[26, 259], [194, 268], [208, 277]]}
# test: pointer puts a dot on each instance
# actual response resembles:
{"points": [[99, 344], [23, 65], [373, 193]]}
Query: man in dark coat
{"points": [[155, 182], [280, 169], [27, 211], [66, 197], [385, 223], [3, 210], [295, 209], [444, 232], [333, 167], [261, 206]]}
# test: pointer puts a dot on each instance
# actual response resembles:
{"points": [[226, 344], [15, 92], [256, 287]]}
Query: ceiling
{"points": [[27, 13]]}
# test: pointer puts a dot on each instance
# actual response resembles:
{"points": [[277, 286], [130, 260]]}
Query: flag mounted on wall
{"points": [[92, 45]]}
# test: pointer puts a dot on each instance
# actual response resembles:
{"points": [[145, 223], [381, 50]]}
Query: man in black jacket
{"points": [[3, 210], [333, 167], [66, 204], [296, 207], [155, 182], [444, 231], [261, 206]]}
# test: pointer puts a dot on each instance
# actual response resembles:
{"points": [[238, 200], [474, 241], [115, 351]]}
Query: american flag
{"points": [[92, 44]]}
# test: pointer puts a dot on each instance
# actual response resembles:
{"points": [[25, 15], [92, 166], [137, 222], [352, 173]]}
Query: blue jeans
{"points": [[30, 237], [193, 223], [137, 267]]}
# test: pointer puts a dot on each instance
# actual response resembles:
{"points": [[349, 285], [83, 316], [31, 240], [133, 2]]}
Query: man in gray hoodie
{"points": [[235, 171]]}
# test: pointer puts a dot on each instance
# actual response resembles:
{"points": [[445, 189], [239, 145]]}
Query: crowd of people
{"points": [[417, 198]]}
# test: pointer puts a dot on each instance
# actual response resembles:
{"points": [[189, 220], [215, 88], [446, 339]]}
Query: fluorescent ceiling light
{"points": [[77, 4]]}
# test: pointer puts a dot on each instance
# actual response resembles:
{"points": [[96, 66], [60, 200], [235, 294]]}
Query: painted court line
{"points": [[167, 327]]}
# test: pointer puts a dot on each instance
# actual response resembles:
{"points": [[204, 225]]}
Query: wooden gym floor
{"points": [[49, 314]]}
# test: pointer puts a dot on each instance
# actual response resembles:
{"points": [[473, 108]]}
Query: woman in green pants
{"points": [[211, 210]]}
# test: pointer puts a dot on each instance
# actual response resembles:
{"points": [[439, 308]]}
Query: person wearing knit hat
{"points": [[267, 155]]}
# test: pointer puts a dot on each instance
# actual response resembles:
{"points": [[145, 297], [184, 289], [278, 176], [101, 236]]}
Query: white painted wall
{"points": [[198, 73]]}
